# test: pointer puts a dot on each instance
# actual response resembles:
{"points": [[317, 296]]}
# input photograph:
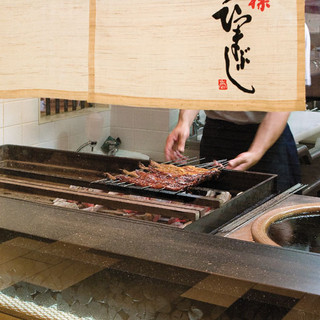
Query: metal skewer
{"points": [[211, 164], [190, 161]]}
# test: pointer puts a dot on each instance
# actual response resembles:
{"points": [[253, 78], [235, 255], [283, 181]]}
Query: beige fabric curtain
{"points": [[44, 48], [238, 55]]}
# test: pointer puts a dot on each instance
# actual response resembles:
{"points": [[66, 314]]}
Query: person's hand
{"points": [[176, 140], [243, 161], [175, 143], [268, 132]]}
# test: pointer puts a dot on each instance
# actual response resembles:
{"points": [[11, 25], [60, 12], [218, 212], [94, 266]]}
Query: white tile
{"points": [[173, 119], [46, 132], [12, 114], [30, 110], [1, 115], [151, 119], [47, 144], [1, 136], [12, 135], [76, 125], [126, 136], [94, 126], [61, 144], [61, 128], [75, 141], [122, 116], [148, 140], [30, 134], [106, 115]]}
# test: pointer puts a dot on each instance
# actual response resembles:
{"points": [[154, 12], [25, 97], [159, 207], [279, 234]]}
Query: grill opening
{"points": [[47, 175]]}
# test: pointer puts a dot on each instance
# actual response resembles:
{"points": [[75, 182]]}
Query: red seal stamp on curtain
{"points": [[222, 84]]}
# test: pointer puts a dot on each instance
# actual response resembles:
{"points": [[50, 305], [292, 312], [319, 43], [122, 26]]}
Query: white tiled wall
{"points": [[19, 125], [143, 130]]}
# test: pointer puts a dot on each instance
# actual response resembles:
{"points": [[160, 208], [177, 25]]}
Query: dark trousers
{"points": [[226, 140]]}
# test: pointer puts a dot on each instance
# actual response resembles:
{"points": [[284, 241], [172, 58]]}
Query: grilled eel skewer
{"points": [[165, 176]]}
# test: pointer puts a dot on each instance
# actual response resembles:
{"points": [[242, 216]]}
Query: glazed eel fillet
{"points": [[166, 176]]}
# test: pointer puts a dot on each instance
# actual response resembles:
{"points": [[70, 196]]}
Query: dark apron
{"points": [[226, 140]]}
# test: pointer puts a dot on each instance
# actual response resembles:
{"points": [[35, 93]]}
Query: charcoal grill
{"points": [[194, 194], [39, 175]]}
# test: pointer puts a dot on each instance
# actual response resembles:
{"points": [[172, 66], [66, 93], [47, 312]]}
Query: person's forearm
{"points": [[186, 117], [269, 131]]}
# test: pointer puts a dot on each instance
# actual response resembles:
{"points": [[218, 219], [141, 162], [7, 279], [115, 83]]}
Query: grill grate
{"points": [[118, 184]]}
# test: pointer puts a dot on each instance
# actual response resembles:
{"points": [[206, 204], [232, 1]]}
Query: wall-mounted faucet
{"points": [[88, 143], [110, 146]]}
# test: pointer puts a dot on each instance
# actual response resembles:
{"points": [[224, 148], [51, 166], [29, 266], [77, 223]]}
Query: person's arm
{"points": [[268, 133], [177, 138]]}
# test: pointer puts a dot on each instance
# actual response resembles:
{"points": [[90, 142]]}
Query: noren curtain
{"points": [[227, 55]]}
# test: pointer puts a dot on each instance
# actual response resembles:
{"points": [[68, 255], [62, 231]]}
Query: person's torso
{"points": [[238, 117]]}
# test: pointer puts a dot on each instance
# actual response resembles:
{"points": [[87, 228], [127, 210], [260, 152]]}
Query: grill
{"points": [[42, 175], [194, 194]]}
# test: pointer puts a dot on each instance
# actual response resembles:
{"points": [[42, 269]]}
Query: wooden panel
{"points": [[19, 269], [67, 265], [7, 317], [218, 290], [25, 243], [13, 265], [64, 275], [8, 253], [214, 298], [59, 251], [55, 252], [63, 249], [56, 265], [307, 308], [243, 233]]}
